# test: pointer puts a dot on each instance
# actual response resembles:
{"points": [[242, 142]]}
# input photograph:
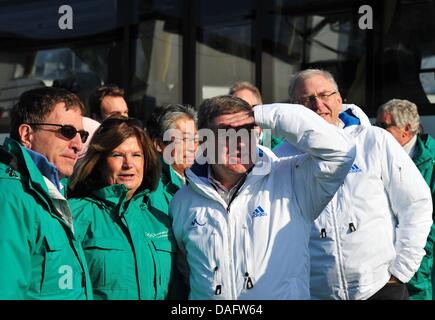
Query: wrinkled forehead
{"points": [[314, 84]]}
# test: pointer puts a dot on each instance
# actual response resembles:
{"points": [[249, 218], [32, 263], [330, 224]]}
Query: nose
{"points": [[76, 143], [126, 164], [317, 105]]}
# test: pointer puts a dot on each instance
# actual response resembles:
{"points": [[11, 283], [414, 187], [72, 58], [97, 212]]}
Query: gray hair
{"points": [[164, 117], [306, 74], [403, 112], [245, 85]]}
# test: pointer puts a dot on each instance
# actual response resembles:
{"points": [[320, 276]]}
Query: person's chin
{"points": [[65, 172], [237, 167]]}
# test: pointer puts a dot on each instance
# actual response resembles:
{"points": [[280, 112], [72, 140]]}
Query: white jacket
{"points": [[377, 223], [261, 238]]}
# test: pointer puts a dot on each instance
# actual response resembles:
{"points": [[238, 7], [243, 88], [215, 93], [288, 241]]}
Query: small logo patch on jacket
{"points": [[354, 169], [195, 223], [258, 212]]}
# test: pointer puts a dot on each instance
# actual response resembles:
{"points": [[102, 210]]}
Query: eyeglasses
{"points": [[186, 140], [66, 130], [117, 120], [310, 99]]}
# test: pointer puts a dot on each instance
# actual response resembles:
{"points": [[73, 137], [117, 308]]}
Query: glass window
{"points": [[408, 54], [157, 72], [79, 69], [302, 35], [225, 53]]}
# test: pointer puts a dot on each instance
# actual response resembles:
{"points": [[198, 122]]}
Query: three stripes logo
{"points": [[354, 169], [258, 212]]}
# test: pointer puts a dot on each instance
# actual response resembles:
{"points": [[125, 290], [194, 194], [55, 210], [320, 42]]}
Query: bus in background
{"points": [[183, 51]]}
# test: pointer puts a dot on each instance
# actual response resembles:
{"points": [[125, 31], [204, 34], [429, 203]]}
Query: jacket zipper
{"points": [[232, 279], [216, 281], [232, 283], [231, 273], [248, 280], [338, 241]]}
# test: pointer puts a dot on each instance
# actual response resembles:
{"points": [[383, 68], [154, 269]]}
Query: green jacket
{"points": [[421, 285], [129, 245], [169, 184], [269, 140], [40, 257]]}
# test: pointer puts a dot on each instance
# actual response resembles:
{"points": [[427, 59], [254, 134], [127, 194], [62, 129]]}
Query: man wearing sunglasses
{"points": [[369, 239], [41, 259], [401, 119]]}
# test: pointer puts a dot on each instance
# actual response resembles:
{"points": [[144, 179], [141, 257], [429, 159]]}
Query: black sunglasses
{"points": [[383, 125], [66, 130]]}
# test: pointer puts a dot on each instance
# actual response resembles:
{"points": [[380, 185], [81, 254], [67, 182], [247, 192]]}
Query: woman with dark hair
{"points": [[128, 243]]}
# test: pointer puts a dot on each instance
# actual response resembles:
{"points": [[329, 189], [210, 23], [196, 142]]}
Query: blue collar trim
{"points": [[348, 118], [47, 168]]}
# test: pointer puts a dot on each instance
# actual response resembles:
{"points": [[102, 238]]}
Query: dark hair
{"points": [[36, 104], [216, 106], [163, 118], [99, 94], [111, 133]]}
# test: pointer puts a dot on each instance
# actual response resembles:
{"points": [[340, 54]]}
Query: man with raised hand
{"points": [[243, 220]]}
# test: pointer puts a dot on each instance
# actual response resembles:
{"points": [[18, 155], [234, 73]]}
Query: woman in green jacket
{"points": [[127, 240]]}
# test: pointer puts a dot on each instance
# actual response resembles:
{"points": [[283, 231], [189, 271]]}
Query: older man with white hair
{"points": [[368, 241]]}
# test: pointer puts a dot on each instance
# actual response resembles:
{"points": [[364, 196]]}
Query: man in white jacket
{"points": [[243, 226], [369, 240]]}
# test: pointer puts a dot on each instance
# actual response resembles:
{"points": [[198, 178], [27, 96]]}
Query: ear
{"points": [[407, 131], [339, 99], [25, 134], [158, 146]]}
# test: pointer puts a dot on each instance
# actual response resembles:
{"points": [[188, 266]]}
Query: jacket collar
{"points": [[45, 167], [423, 150], [170, 174], [348, 118], [115, 195], [26, 165]]}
